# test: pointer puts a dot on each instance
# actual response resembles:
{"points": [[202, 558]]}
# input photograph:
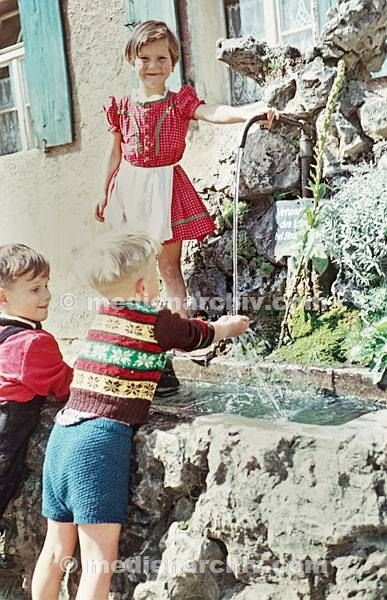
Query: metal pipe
{"points": [[306, 156]]}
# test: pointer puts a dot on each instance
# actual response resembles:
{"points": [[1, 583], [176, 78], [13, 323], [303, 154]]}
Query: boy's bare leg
{"points": [[99, 548], [60, 542], [170, 270]]}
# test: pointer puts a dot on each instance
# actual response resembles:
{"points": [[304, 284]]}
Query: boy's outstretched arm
{"points": [[175, 332], [224, 114]]}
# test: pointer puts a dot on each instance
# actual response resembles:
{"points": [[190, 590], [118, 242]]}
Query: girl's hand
{"points": [[100, 209], [272, 115]]}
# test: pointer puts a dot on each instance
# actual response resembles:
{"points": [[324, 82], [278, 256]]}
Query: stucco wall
{"points": [[47, 200]]}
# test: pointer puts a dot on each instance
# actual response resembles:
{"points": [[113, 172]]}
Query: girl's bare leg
{"points": [[60, 542], [99, 548], [170, 270]]}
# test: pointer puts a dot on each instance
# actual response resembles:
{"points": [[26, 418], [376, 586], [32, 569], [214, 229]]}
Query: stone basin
{"points": [[230, 508]]}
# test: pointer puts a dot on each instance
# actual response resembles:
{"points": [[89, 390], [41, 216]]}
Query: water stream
{"points": [[235, 230], [249, 340]]}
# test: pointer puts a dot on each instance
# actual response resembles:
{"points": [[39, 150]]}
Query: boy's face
{"points": [[27, 298]]}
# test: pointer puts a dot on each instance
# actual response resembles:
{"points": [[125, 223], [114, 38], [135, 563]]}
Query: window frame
{"points": [[13, 57], [313, 27]]}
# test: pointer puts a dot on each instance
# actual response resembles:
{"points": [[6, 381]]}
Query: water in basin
{"points": [[302, 406]]}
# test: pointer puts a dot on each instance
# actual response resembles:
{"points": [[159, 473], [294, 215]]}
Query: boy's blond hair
{"points": [[116, 256], [17, 260], [151, 31]]}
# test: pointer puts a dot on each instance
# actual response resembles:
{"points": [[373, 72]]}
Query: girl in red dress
{"points": [[145, 189]]}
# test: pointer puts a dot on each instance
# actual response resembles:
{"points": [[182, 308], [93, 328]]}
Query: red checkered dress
{"points": [[153, 135]]}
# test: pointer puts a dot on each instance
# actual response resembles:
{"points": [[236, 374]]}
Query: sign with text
{"points": [[287, 223]]}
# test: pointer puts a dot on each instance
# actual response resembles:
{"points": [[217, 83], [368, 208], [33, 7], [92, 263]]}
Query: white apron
{"points": [[141, 200]]}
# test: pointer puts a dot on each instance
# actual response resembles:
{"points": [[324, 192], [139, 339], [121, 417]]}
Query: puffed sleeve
{"points": [[187, 101], [113, 118]]}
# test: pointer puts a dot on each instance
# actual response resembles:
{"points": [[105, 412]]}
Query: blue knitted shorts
{"points": [[86, 472]]}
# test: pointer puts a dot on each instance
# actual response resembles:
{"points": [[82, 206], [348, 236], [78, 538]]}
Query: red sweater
{"points": [[31, 364]]}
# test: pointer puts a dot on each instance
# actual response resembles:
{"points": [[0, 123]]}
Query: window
{"points": [[15, 120], [293, 22], [39, 63], [244, 89]]}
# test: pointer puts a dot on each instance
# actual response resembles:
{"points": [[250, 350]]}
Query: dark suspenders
{"points": [[8, 331], [17, 423]]}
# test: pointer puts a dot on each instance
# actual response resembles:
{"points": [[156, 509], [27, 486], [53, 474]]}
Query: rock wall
{"points": [[297, 85], [228, 508]]}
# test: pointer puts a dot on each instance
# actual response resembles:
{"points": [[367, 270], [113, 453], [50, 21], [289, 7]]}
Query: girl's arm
{"points": [[224, 114], [110, 166]]}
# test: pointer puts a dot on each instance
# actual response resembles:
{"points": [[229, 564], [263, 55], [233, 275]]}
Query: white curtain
{"points": [[9, 123]]}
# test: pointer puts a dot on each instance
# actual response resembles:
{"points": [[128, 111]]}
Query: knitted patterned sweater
{"points": [[123, 356]]}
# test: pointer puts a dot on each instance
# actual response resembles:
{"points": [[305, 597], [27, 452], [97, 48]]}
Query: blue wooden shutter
{"points": [[323, 7], [46, 71], [158, 10]]}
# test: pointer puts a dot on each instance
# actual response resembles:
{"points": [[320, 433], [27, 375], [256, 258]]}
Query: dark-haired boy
{"points": [[31, 364]]}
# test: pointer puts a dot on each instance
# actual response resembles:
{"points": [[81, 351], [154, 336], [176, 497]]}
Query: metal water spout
{"points": [[306, 156]]}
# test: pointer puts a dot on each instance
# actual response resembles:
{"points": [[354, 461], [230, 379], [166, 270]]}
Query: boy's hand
{"points": [[230, 326], [100, 209]]}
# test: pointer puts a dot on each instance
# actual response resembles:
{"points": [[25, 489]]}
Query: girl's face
{"points": [[153, 66]]}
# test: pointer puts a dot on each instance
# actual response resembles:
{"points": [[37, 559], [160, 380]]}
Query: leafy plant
{"points": [[371, 351], [310, 243], [354, 228], [313, 247], [275, 66], [372, 304], [293, 141], [227, 212], [265, 268]]}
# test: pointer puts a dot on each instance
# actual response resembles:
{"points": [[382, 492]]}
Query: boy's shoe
{"points": [[168, 384]]}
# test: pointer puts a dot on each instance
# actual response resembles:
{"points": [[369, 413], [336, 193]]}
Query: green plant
{"points": [[275, 66], [371, 351], [313, 247], [324, 339], [293, 141], [372, 304], [246, 248], [227, 212], [309, 246], [292, 194], [354, 228], [265, 267]]}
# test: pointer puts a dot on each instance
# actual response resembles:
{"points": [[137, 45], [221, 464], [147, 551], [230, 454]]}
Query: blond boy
{"points": [[86, 471]]}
